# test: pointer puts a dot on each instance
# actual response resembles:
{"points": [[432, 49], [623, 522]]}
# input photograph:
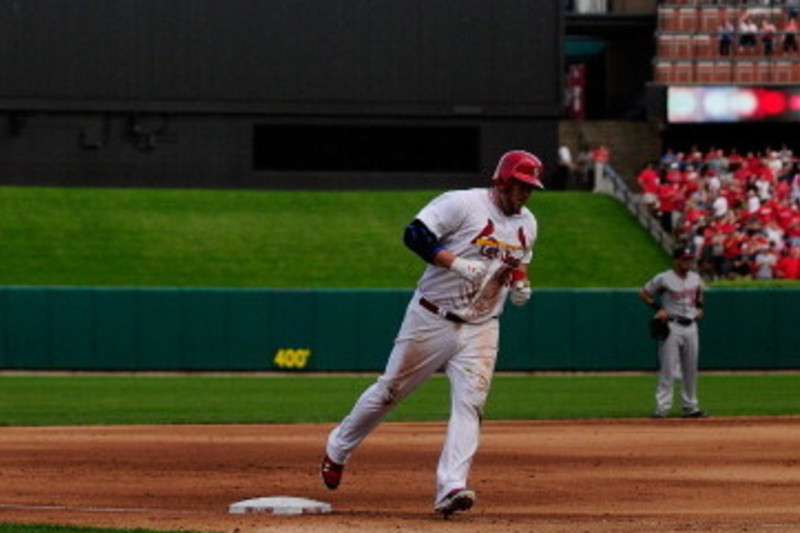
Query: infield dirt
{"points": [[714, 475]]}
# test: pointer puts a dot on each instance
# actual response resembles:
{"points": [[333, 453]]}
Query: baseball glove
{"points": [[659, 329]]}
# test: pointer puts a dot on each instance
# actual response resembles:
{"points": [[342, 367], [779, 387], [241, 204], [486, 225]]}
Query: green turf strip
{"points": [[80, 400]]}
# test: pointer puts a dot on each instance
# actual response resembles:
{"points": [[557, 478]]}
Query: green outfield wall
{"points": [[352, 330]]}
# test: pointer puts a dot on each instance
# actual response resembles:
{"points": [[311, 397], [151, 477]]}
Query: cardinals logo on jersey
{"points": [[494, 248]]}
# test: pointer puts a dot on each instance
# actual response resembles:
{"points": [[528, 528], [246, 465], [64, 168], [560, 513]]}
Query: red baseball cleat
{"points": [[331, 473]]}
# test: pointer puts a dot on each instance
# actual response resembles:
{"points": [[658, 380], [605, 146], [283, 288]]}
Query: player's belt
{"points": [[436, 310], [682, 320]]}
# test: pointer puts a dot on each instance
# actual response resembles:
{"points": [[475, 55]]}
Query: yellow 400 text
{"points": [[290, 358]]}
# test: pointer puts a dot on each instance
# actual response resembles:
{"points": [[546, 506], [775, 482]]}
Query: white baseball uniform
{"points": [[461, 338], [678, 354]]}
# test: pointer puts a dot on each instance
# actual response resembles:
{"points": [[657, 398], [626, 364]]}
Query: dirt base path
{"points": [[713, 475]]}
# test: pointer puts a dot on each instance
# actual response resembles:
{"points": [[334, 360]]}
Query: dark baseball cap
{"points": [[684, 252]]}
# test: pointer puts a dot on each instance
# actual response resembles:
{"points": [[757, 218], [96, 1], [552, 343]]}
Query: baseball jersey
{"points": [[678, 295], [471, 225]]}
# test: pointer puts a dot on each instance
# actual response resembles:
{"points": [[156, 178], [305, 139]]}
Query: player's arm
{"points": [[698, 303], [422, 241], [650, 300]]}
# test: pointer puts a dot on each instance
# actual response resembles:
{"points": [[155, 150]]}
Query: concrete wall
{"points": [[172, 93], [631, 143]]}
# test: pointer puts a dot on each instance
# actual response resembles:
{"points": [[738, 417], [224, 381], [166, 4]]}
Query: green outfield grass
{"points": [[81, 400], [202, 238]]}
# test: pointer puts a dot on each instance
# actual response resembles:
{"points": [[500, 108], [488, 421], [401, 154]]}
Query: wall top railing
{"points": [[607, 181]]}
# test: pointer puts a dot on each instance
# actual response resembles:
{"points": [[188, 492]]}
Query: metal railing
{"points": [[607, 181]]}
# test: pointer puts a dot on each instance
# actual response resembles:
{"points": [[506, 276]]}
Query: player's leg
{"points": [[470, 374], [689, 362], [423, 344], [667, 355]]}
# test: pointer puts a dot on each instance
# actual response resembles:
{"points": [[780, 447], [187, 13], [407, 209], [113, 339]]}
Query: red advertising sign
{"points": [[576, 92]]}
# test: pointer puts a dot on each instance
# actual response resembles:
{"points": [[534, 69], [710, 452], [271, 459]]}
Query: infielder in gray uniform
{"points": [[477, 243], [677, 297]]}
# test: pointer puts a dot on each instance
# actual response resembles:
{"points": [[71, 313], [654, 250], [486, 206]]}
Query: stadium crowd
{"points": [[739, 212]]}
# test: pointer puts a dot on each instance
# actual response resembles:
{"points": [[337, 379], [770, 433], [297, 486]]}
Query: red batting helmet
{"points": [[519, 165]]}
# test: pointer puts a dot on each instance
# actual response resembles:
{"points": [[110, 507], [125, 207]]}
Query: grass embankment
{"points": [[201, 238], [97, 400]]}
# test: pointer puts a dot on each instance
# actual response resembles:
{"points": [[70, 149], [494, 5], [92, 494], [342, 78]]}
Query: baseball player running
{"points": [[478, 244], [680, 290]]}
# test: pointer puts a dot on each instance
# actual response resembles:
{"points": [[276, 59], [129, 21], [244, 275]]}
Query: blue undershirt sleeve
{"points": [[421, 240]]}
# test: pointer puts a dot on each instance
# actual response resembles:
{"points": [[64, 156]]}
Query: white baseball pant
{"points": [[426, 343], [679, 358]]}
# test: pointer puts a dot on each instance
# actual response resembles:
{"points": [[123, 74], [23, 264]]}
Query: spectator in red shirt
{"points": [[648, 182], [601, 154], [767, 212], [753, 162], [694, 214], [691, 182], [735, 195], [788, 266], [669, 196], [784, 213], [691, 219], [736, 264], [782, 190], [751, 224], [735, 160], [793, 231]]}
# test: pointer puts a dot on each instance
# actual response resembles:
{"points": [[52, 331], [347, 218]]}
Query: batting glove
{"points": [[520, 292], [468, 269]]}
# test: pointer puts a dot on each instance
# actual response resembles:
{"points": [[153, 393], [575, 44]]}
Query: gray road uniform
{"points": [[680, 297]]}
